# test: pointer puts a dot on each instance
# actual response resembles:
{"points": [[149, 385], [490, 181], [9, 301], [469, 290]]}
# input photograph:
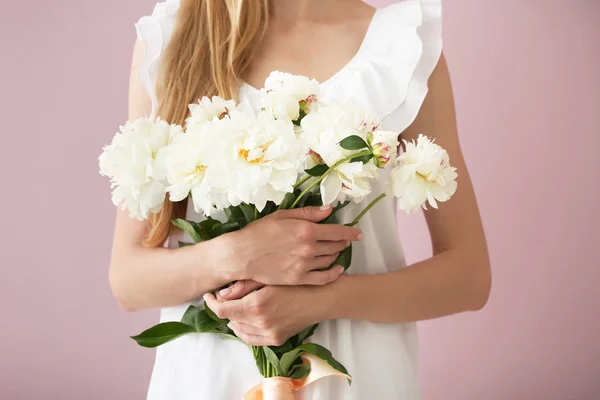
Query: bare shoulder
{"points": [[140, 103], [437, 114]]}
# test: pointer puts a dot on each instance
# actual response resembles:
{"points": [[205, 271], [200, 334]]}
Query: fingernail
{"points": [[360, 236], [325, 207], [340, 269], [347, 243], [225, 292]]}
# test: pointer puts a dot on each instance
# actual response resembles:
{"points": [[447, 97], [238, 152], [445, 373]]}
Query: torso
{"points": [[317, 47], [386, 72]]}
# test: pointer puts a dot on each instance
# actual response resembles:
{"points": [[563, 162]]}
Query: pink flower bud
{"points": [[384, 145]]}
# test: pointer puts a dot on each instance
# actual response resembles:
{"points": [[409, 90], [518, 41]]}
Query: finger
{"points": [[251, 339], [239, 289], [327, 248], [322, 277], [335, 232], [313, 214], [246, 328], [322, 262], [224, 309]]}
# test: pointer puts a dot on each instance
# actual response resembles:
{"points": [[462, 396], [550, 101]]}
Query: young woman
{"points": [[390, 61]]}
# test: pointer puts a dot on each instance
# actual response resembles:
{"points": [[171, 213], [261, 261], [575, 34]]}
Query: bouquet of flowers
{"points": [[298, 150]]}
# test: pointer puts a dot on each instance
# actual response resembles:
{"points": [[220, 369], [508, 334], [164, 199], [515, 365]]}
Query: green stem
{"points": [[367, 208], [301, 181], [320, 179], [269, 369]]}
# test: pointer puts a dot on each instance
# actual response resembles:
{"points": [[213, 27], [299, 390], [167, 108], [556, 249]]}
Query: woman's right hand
{"points": [[288, 247]]}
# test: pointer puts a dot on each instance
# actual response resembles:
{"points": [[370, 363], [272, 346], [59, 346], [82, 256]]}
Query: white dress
{"points": [[388, 75]]}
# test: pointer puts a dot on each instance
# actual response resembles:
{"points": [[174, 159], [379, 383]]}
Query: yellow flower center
{"points": [[245, 154], [200, 169], [429, 177]]}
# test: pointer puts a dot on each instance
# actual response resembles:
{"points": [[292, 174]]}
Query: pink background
{"points": [[527, 82]]}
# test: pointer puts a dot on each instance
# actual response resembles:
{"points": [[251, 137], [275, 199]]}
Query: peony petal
{"points": [[331, 186]]}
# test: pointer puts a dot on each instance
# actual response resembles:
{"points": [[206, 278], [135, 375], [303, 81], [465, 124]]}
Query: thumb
{"points": [[312, 214], [238, 290]]}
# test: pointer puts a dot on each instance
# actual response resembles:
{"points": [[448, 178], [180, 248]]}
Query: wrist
{"points": [[199, 268], [232, 255], [333, 298]]}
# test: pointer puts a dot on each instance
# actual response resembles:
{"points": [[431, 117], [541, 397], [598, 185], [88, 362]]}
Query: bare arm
{"points": [[154, 277], [282, 249], [457, 278]]}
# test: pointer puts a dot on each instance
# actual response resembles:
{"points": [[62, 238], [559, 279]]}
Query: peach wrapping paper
{"points": [[280, 388]]}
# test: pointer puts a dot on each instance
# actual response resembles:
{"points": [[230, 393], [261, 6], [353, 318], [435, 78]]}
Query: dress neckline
{"points": [[353, 59]]}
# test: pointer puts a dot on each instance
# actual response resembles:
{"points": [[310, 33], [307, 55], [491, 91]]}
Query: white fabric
{"points": [[389, 76]]}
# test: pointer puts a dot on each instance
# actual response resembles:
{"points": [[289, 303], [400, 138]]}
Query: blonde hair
{"points": [[209, 54]]}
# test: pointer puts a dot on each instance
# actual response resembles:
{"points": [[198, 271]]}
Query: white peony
{"points": [[364, 121], [384, 145], [322, 132], [349, 181], [281, 105], [134, 162], [286, 96], [140, 201], [422, 174], [262, 156], [208, 109], [195, 167]]}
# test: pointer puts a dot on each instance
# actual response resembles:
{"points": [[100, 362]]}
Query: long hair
{"points": [[208, 54]]}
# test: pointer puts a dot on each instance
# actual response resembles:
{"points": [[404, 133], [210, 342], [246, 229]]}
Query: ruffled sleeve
{"points": [[155, 31], [389, 76], [430, 34]]}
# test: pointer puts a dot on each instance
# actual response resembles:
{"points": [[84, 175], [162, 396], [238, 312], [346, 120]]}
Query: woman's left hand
{"points": [[272, 314]]}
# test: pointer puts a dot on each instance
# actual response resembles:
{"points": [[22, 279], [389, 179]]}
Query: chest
{"points": [[318, 51]]}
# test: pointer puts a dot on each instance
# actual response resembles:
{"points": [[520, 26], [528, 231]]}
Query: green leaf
{"points": [[284, 348], [345, 258], [227, 227], [332, 219], [190, 315], [234, 213], [300, 371], [353, 142], [189, 228], [313, 200], [230, 336], [199, 320], [325, 355], [214, 316], [287, 201], [185, 244], [272, 358], [288, 359], [249, 213], [362, 159], [162, 333], [317, 170], [207, 228], [270, 208], [305, 334]]}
